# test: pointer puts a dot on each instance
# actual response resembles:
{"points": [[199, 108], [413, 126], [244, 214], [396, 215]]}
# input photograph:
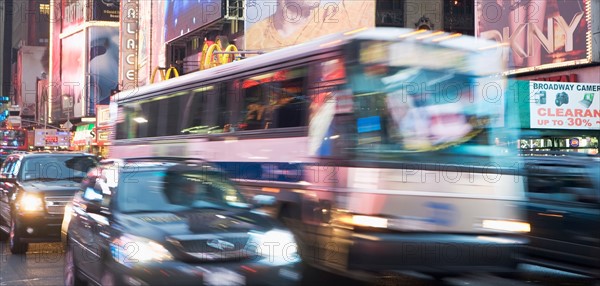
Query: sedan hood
{"points": [[62, 187], [161, 225]]}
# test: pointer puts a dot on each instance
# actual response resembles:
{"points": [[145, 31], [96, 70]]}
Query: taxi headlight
{"points": [[506, 225], [31, 203], [130, 249], [277, 245]]}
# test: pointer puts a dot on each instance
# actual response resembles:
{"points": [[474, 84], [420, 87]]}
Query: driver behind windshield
{"points": [[188, 190], [57, 168]]}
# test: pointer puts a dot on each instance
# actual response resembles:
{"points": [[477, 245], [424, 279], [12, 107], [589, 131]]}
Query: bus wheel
{"points": [[288, 211]]}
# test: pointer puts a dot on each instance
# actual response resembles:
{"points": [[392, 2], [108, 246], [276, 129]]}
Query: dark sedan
{"points": [[564, 212], [159, 222], [34, 189]]}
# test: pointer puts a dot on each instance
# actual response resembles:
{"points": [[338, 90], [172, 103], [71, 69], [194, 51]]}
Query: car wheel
{"points": [[109, 278], [71, 273], [3, 235], [14, 240]]}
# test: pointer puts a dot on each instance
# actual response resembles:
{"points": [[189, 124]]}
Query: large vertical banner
{"points": [[73, 74], [562, 105], [277, 24], [157, 35], [129, 34], [542, 34], [54, 68], [103, 58], [144, 41]]}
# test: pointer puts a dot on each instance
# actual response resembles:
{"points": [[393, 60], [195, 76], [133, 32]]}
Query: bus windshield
{"points": [[404, 108]]}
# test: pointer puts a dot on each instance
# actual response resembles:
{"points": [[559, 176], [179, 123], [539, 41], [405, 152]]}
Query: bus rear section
{"points": [[421, 173]]}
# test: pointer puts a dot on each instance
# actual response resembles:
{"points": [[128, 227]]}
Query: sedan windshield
{"points": [[54, 168], [177, 191]]}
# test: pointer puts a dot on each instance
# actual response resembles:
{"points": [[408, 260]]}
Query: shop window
{"points": [[389, 13]]}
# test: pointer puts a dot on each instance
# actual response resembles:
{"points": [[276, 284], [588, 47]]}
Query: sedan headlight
{"points": [[278, 246], [31, 202], [130, 249]]}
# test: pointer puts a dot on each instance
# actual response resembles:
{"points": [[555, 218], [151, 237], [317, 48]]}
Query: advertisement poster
{"points": [[560, 105], [72, 75], [103, 60], [72, 13], [542, 34], [184, 16], [271, 26], [105, 10], [30, 59]]}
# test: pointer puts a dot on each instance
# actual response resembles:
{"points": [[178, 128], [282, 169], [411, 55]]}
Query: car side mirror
{"points": [[93, 201], [264, 200], [93, 207]]}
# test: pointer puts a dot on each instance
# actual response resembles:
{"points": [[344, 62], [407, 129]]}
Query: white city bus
{"points": [[385, 148]]}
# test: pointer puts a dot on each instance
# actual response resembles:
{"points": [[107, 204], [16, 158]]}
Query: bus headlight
{"points": [[31, 202], [277, 245], [365, 221], [129, 249], [506, 225]]}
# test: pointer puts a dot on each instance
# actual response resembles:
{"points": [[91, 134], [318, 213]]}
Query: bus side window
{"points": [[252, 113], [194, 111], [274, 100], [223, 114]]}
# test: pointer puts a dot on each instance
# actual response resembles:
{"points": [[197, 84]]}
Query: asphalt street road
{"points": [[43, 265]]}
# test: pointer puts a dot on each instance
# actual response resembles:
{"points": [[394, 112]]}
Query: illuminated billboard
{"points": [[103, 59], [105, 10], [184, 16], [272, 26], [541, 34]]}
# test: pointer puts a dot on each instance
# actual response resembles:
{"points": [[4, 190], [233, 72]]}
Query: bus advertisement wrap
{"points": [[560, 105]]}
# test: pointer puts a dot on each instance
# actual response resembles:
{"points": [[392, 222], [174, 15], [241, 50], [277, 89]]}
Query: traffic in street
{"points": [[299, 142], [43, 266]]}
